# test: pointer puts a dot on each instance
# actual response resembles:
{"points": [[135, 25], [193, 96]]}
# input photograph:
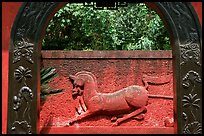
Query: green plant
{"points": [[47, 74], [135, 27]]}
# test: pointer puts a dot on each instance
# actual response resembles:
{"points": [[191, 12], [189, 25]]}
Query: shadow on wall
{"points": [[45, 127]]}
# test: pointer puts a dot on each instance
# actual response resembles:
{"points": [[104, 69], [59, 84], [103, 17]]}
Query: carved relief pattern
{"points": [[193, 128], [190, 79], [22, 102], [189, 42], [23, 48], [85, 90], [31, 16], [190, 50], [25, 95], [21, 73], [191, 102]]}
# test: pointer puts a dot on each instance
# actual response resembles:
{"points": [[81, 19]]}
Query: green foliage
{"points": [[135, 27], [46, 75]]}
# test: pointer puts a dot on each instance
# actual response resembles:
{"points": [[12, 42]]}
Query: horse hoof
{"points": [[139, 117], [69, 123], [115, 124], [113, 119]]}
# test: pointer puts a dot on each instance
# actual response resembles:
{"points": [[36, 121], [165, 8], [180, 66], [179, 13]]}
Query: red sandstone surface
{"points": [[112, 75]]}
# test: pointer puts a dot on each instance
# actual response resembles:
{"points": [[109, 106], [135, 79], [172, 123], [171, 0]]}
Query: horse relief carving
{"points": [[129, 102]]}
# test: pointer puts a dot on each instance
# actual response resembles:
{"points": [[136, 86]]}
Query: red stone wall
{"points": [[113, 71]]}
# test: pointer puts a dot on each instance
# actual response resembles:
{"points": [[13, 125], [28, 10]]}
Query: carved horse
{"points": [[131, 100]]}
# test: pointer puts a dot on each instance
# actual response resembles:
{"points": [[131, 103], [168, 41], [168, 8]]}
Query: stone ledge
{"points": [[58, 54], [106, 130]]}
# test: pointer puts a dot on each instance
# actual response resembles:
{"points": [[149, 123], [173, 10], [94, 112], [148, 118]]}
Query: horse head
{"points": [[80, 80]]}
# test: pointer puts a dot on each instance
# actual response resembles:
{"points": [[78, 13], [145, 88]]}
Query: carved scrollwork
{"points": [[190, 78], [22, 102], [193, 128], [23, 48], [32, 15], [20, 126], [22, 73], [25, 93], [191, 101], [20, 32], [189, 38], [185, 116], [190, 50], [180, 10]]}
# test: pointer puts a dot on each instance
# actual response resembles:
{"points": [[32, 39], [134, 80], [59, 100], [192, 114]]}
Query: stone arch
{"points": [[24, 64]]}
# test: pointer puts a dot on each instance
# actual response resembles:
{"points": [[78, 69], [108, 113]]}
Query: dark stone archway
{"points": [[24, 64]]}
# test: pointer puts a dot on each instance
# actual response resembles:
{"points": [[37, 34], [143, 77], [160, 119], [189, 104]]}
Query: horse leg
{"points": [[132, 114], [114, 118], [139, 117], [82, 103], [79, 117]]}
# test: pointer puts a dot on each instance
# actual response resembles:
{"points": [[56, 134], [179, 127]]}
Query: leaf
{"points": [[186, 105], [196, 105], [186, 97], [185, 100], [196, 101], [47, 74]]}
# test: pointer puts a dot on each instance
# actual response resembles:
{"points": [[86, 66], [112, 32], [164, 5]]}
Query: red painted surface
{"points": [[198, 8], [9, 11], [131, 100], [112, 75], [107, 130]]}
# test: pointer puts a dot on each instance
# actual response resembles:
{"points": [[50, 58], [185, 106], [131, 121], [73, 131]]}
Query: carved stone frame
{"points": [[25, 53]]}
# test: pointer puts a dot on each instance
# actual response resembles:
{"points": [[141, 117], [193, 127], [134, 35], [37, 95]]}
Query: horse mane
{"points": [[90, 74]]}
